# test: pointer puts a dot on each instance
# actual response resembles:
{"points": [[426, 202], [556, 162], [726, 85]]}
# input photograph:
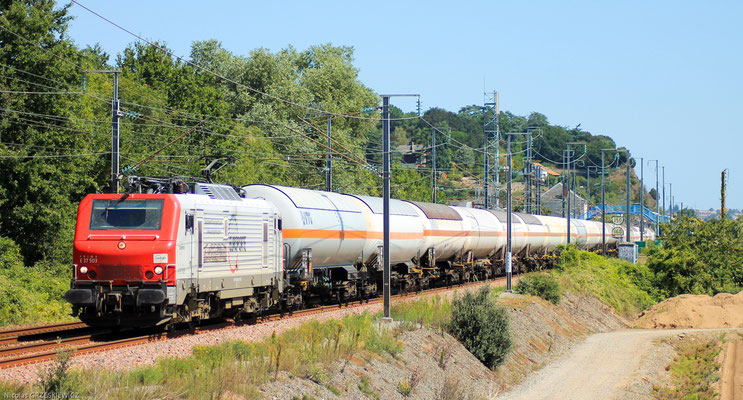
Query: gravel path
{"points": [[147, 354], [604, 366]]}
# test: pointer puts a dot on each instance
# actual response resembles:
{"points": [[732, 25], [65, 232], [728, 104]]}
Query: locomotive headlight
{"points": [[158, 270], [122, 245], [83, 270]]}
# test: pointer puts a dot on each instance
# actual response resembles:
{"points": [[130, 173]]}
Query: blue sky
{"points": [[660, 77]]}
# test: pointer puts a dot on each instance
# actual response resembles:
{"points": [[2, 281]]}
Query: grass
{"points": [[434, 312], [365, 388], [620, 284], [238, 367], [693, 371]]}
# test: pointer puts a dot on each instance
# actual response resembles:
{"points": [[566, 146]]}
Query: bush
{"points": [[616, 283], [29, 294], [544, 286], [482, 327]]}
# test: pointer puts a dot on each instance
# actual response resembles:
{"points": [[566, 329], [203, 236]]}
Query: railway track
{"points": [[12, 336], [38, 352]]}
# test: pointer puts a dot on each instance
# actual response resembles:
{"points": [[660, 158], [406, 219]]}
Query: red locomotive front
{"points": [[124, 258]]}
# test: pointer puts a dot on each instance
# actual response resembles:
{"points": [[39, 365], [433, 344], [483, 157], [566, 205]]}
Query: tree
{"points": [[46, 170], [698, 257]]}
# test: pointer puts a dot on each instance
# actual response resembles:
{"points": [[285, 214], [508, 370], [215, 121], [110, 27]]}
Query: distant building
{"points": [[552, 200], [412, 153], [544, 172]]}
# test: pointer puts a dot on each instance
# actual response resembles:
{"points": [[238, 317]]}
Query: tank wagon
{"points": [[187, 253]]}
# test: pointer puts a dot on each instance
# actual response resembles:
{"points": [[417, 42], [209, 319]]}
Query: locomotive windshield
{"points": [[127, 215]]}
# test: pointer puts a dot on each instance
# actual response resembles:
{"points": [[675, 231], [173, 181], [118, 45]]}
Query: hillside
{"points": [[178, 117]]}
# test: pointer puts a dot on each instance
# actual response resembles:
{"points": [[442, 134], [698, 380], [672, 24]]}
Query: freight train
{"points": [[169, 252]]}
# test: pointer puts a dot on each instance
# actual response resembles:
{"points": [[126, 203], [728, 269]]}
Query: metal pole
{"points": [[386, 203], [629, 188], [486, 177], [497, 150], [491, 129], [569, 194], [538, 199], [657, 203], [603, 209], [508, 220], [588, 187], [562, 183], [528, 177], [115, 136], [670, 197], [642, 199], [433, 165], [328, 164], [663, 170]]}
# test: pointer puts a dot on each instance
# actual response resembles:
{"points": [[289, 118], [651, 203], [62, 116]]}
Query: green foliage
{"points": [[698, 257], [29, 294], [538, 284], [56, 378], [404, 388], [365, 387], [626, 287], [408, 184], [482, 327]]}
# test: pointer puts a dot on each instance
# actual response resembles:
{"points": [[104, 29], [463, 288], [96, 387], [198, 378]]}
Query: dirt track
{"points": [[604, 366], [732, 371]]}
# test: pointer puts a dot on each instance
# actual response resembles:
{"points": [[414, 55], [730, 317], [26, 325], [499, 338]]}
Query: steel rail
{"points": [[49, 351]]}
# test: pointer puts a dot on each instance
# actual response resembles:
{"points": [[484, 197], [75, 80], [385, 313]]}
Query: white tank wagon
{"points": [[332, 242], [325, 236], [406, 229], [489, 234]]}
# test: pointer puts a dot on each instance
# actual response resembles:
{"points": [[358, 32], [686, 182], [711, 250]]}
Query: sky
{"points": [[661, 78]]}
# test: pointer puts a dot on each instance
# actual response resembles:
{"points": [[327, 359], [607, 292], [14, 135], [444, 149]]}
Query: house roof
{"points": [[556, 193], [547, 170]]}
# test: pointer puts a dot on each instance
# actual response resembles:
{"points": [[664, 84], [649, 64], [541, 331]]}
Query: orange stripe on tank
{"points": [[340, 234]]}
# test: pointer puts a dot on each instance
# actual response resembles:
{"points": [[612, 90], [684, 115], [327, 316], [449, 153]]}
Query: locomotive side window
{"points": [[189, 222], [127, 215]]}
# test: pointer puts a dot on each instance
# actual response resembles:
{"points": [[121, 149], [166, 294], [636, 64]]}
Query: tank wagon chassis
{"points": [[139, 304], [168, 252]]}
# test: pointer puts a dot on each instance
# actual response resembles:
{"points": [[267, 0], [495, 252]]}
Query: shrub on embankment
{"points": [[628, 288], [476, 320], [481, 326], [541, 285], [30, 294]]}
